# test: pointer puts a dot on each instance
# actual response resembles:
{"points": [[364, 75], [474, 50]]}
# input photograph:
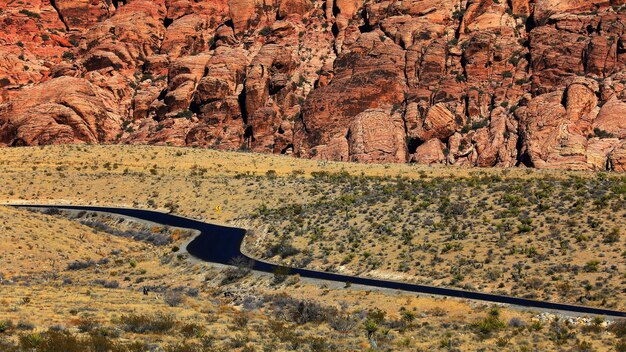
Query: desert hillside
{"points": [[73, 281], [543, 234], [483, 83]]}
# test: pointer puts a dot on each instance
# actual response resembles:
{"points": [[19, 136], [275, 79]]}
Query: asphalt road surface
{"points": [[222, 244]]}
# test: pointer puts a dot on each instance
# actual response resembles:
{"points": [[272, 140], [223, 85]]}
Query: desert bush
{"points": [[191, 330], [377, 315], [613, 236], [157, 238], [65, 341], [370, 327], [309, 311], [5, 325], [51, 340], [516, 322], [22, 325], [595, 326], [280, 274], [284, 248], [299, 311], [174, 298], [107, 284], [30, 13], [86, 324], [79, 265], [618, 327], [241, 267], [320, 344], [602, 133], [238, 341], [592, 266], [407, 316], [560, 332], [282, 331], [141, 324], [185, 347], [342, 322], [620, 346], [437, 312], [192, 292], [490, 324]]}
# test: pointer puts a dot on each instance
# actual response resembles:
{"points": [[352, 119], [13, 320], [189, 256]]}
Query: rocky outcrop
{"points": [[617, 159], [611, 119], [218, 96], [557, 126], [368, 77], [475, 83], [62, 110], [83, 14], [431, 152], [439, 123], [377, 135]]}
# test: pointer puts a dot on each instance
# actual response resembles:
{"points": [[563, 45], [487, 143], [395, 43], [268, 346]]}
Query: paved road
{"points": [[221, 244]]}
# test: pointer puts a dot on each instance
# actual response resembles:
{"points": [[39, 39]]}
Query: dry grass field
{"points": [[72, 279]]}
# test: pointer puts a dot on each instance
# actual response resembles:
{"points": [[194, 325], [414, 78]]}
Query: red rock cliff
{"points": [[474, 82]]}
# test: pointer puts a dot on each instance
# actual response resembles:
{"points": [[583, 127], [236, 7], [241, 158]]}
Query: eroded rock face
{"points": [[62, 110], [557, 128], [477, 83], [612, 118], [617, 158], [368, 77], [377, 135], [431, 152]]}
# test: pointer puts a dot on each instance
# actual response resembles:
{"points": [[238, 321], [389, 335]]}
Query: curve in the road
{"points": [[221, 244]]}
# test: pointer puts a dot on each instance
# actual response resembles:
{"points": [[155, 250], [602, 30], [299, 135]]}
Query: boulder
{"points": [[612, 119], [62, 110], [430, 152]]}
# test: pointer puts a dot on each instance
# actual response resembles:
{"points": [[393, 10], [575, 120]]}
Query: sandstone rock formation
{"points": [[62, 110], [476, 83], [377, 135]]}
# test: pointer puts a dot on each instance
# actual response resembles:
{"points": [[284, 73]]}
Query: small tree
{"points": [[370, 328], [490, 324]]}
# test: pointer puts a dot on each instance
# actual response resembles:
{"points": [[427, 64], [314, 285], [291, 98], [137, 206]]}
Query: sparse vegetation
{"points": [[30, 13], [528, 233]]}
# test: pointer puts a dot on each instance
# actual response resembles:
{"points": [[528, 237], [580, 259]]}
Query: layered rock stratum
{"points": [[475, 82]]}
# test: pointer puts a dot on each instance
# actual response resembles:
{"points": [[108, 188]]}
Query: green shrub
{"points": [[265, 31], [490, 324], [475, 126], [68, 55], [30, 13], [187, 114], [5, 325], [613, 236], [602, 133]]}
